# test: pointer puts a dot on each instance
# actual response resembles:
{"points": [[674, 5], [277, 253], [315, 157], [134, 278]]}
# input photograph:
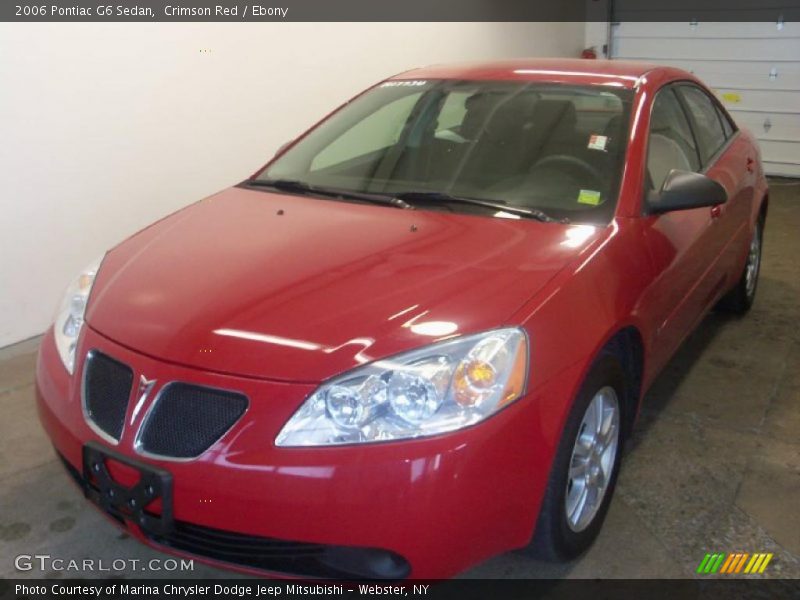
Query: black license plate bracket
{"points": [[128, 503]]}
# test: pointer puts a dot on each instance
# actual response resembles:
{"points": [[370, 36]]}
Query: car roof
{"points": [[619, 73]]}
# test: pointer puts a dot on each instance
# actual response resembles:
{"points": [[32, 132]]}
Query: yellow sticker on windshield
{"points": [[589, 197]]}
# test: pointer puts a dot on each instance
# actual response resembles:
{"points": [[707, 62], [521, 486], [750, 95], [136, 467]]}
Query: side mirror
{"points": [[683, 190]]}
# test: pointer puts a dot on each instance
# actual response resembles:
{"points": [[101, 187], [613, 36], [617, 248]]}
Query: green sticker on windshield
{"points": [[589, 197]]}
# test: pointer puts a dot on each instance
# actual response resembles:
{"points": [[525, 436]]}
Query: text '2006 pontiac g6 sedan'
{"points": [[419, 336]]}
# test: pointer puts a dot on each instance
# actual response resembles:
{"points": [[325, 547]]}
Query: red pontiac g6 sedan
{"points": [[418, 336]]}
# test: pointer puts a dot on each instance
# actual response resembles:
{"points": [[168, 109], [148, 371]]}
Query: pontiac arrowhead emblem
{"points": [[145, 387]]}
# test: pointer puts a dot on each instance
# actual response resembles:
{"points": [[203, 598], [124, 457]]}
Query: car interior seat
{"points": [[667, 150]]}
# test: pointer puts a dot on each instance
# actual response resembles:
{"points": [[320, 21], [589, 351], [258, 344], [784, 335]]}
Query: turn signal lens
{"points": [[472, 379], [515, 386]]}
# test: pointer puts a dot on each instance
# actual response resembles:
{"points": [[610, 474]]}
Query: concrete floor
{"points": [[713, 466]]}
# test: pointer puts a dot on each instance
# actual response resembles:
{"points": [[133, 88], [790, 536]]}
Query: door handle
{"points": [[716, 211], [750, 163]]}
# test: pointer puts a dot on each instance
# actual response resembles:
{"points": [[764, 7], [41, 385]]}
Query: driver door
{"points": [[684, 244]]}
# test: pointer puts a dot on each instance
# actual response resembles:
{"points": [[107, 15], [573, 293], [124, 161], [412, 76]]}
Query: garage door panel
{"points": [[753, 67], [758, 100], [684, 29], [780, 143], [782, 169], [780, 126], [740, 74], [779, 151], [716, 49]]}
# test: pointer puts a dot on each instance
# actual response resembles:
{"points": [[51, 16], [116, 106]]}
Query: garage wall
{"points": [[107, 127]]}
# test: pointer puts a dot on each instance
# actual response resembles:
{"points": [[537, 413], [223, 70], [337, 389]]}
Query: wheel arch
{"points": [[627, 346]]}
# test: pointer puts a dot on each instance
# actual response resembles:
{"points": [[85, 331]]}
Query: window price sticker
{"points": [[597, 142]]}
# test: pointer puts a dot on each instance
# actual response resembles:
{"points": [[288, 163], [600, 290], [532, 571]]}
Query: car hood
{"points": [[294, 288]]}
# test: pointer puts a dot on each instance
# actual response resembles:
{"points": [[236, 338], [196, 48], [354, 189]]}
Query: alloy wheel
{"points": [[593, 459], [753, 263]]}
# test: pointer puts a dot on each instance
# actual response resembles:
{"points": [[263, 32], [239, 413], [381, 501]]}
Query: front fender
{"points": [[599, 294]]}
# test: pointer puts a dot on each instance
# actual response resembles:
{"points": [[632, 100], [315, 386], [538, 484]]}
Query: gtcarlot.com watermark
{"points": [[46, 562]]}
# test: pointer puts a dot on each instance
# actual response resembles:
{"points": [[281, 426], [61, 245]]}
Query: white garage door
{"points": [[753, 67]]}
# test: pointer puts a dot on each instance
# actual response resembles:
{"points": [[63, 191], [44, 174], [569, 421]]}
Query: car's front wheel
{"points": [[584, 471]]}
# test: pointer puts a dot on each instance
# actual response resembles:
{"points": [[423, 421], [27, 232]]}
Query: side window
{"points": [[671, 144], [727, 126], [708, 127]]}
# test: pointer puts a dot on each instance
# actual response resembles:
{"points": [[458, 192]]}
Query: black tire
{"points": [[554, 539], [740, 298]]}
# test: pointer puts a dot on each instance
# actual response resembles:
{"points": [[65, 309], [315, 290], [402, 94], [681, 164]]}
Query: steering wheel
{"points": [[572, 162]]}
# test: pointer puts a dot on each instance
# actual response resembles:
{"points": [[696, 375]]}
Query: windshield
{"points": [[549, 147]]}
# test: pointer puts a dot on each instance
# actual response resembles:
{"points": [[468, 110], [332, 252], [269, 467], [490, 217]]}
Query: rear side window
{"points": [[727, 126], [708, 127], [671, 144]]}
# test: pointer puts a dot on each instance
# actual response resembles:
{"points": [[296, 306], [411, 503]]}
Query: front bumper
{"points": [[441, 504]]}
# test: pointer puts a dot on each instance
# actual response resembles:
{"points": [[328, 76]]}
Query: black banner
{"points": [[388, 10], [463, 589], [293, 10]]}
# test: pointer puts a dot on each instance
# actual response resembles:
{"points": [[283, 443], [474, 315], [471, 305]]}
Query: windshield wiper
{"points": [[405, 200], [440, 197], [301, 187], [288, 185]]}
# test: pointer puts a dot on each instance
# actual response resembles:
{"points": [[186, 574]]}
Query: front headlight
{"points": [[69, 319], [438, 388]]}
